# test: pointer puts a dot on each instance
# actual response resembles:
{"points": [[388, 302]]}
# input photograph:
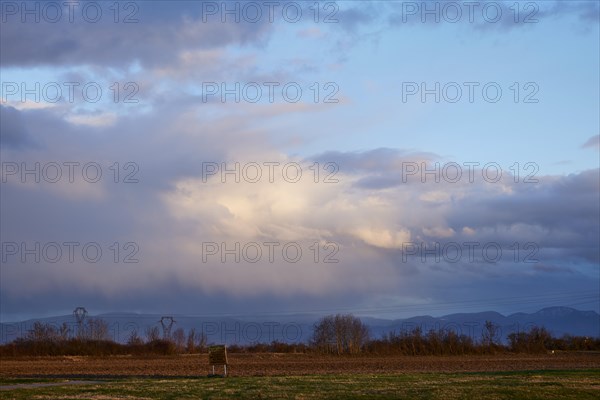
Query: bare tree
{"points": [[190, 346], [41, 332], [358, 334], [97, 329], [324, 334], [201, 341], [488, 335], [63, 332], [196, 341], [134, 339], [179, 339], [340, 334], [191, 341], [152, 333]]}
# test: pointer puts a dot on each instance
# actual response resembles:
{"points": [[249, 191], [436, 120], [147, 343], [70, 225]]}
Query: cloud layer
{"points": [[212, 199]]}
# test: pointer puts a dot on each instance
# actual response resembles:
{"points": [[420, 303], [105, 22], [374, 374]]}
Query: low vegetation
{"points": [[335, 334], [546, 385]]}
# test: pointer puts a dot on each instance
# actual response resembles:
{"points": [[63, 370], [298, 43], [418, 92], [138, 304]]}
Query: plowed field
{"points": [[286, 364]]}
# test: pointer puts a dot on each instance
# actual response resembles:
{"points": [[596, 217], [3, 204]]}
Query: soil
{"points": [[271, 364]]}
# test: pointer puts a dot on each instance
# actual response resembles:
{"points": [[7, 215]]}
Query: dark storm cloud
{"points": [[136, 138], [103, 212], [168, 278], [563, 213], [555, 203]]}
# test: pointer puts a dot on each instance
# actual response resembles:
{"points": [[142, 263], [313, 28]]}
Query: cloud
{"points": [[311, 33], [173, 210], [13, 132], [95, 119], [359, 212], [363, 219], [383, 238], [592, 143], [489, 16], [163, 30]]}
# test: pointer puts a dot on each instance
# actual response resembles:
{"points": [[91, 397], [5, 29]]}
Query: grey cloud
{"points": [[551, 203], [552, 268], [592, 143], [13, 132], [411, 13], [374, 161], [143, 139], [565, 209], [164, 150], [379, 168], [353, 19], [169, 145], [586, 11], [164, 30], [560, 214]]}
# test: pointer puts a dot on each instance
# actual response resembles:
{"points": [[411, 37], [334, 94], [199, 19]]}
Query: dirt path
{"points": [[39, 385]]}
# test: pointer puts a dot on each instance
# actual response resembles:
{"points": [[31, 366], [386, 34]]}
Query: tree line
{"points": [[346, 334], [334, 334], [93, 338]]}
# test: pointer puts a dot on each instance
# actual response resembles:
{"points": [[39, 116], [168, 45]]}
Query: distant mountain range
{"points": [[298, 328]]}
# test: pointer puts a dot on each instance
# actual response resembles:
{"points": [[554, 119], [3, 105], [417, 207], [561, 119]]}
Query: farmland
{"points": [[280, 364], [277, 375], [559, 384]]}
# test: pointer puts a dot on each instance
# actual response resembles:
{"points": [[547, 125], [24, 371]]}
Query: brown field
{"points": [[286, 364]]}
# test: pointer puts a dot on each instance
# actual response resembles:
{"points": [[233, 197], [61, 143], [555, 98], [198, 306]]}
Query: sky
{"points": [[385, 159]]}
